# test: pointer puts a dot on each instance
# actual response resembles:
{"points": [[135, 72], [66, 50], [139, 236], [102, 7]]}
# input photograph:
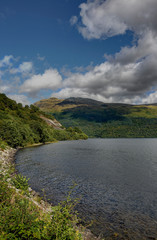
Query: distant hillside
{"points": [[49, 105], [57, 105], [21, 126], [98, 119]]}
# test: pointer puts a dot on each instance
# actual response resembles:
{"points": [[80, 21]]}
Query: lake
{"points": [[116, 182]]}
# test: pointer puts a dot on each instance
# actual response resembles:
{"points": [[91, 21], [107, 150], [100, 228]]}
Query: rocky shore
{"points": [[7, 169]]}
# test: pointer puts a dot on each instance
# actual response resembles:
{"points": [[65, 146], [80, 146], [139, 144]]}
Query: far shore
{"points": [[37, 144]]}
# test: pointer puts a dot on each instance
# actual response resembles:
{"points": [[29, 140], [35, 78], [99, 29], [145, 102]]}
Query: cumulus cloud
{"points": [[25, 67], [151, 98], [19, 99], [76, 92], [130, 74], [125, 77], [146, 46], [50, 79], [112, 82], [102, 19], [6, 61]]}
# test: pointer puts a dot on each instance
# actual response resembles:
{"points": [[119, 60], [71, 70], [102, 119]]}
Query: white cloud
{"points": [[129, 75], [73, 20], [76, 92], [113, 81], [102, 19], [6, 61], [151, 98], [5, 88], [146, 46], [19, 99], [25, 67], [50, 79]]}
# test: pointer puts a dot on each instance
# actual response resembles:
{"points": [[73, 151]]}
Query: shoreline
{"points": [[8, 170], [128, 223]]}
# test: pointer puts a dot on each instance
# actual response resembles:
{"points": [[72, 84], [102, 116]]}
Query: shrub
{"points": [[3, 144], [20, 182], [9, 131], [64, 218], [20, 218]]}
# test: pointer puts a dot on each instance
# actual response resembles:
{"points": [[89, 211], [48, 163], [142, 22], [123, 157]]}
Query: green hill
{"points": [[22, 126], [98, 119]]}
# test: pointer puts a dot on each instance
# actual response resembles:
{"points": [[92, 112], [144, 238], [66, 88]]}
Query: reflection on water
{"points": [[117, 181]]}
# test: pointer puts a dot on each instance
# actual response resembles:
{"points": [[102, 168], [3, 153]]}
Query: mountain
{"points": [[22, 126], [98, 119], [58, 105]]}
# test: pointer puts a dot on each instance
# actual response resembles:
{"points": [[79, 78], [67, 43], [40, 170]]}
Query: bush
{"points": [[20, 182], [3, 145], [9, 131], [21, 126], [64, 218], [20, 218]]}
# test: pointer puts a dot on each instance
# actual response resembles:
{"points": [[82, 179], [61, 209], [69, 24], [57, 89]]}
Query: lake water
{"points": [[116, 182]]}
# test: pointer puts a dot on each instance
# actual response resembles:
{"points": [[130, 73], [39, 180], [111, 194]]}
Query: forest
{"points": [[104, 120], [22, 126]]}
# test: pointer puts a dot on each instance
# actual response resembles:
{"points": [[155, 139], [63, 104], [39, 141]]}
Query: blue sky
{"points": [[79, 48]]}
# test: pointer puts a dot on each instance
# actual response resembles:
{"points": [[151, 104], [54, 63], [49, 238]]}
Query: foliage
{"points": [[3, 145], [112, 120], [69, 134], [20, 182], [20, 218], [132, 127], [98, 119], [63, 220], [21, 126]]}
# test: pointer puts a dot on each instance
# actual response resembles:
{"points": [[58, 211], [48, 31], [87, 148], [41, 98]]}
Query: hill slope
{"points": [[20, 126], [98, 119]]}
